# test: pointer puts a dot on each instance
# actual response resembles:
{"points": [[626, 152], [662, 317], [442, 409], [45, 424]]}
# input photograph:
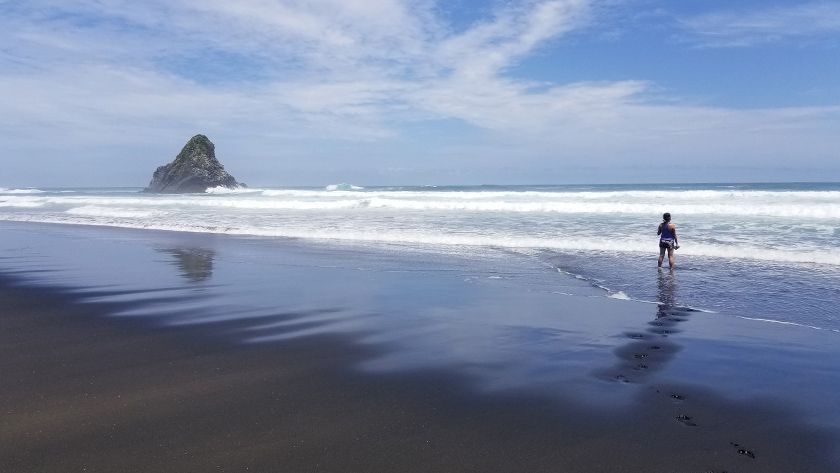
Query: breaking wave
{"points": [[781, 226], [343, 187], [3, 190], [820, 209]]}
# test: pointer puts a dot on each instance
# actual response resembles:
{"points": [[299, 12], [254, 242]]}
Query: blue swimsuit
{"points": [[666, 239], [667, 233]]}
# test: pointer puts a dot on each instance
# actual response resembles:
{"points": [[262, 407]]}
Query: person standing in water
{"points": [[667, 239]]}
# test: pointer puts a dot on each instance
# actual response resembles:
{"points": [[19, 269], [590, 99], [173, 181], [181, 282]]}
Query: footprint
{"points": [[622, 378], [677, 397], [742, 450], [640, 367], [686, 420]]}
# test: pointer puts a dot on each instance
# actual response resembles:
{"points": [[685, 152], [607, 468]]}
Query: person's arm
{"points": [[659, 229], [674, 230]]}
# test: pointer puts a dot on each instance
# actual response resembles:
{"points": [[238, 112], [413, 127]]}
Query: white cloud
{"points": [[100, 72], [746, 28], [364, 60]]}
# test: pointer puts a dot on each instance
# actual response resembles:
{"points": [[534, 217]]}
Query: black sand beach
{"points": [[94, 380]]}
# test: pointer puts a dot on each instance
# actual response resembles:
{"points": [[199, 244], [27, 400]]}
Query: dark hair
{"points": [[666, 216]]}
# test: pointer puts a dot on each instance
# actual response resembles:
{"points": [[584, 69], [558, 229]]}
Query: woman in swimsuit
{"points": [[667, 239]]}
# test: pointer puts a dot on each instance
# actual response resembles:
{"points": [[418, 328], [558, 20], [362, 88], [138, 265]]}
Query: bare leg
{"points": [[661, 257], [670, 257]]}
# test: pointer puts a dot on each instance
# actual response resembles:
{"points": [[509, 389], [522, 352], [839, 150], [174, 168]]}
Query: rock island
{"points": [[194, 170]]}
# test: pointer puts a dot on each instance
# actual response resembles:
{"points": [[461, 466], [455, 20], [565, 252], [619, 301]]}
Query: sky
{"points": [[421, 92]]}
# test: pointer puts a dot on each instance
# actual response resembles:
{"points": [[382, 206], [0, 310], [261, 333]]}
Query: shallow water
{"points": [[761, 251], [501, 321], [801, 294]]}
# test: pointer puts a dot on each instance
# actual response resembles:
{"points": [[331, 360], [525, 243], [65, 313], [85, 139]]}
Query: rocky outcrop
{"points": [[195, 169]]}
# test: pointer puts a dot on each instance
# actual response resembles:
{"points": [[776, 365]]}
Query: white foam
{"points": [[729, 198], [785, 323], [343, 187], [770, 205], [620, 295], [138, 219], [801, 229], [23, 202], [183, 202], [296, 193], [227, 190], [4, 190], [94, 211], [822, 212], [815, 211]]}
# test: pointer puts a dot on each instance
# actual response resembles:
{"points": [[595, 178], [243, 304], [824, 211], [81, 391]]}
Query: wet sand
{"points": [[85, 391]]}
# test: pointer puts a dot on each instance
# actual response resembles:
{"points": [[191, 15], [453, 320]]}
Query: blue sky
{"points": [[292, 92]]}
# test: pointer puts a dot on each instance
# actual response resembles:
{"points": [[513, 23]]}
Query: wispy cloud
{"points": [[767, 25], [291, 73], [370, 61]]}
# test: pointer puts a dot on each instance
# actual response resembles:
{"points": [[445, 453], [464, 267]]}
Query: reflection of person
{"points": [[667, 239], [666, 295]]}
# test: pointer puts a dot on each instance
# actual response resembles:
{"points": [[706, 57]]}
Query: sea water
{"points": [[550, 291], [768, 252]]}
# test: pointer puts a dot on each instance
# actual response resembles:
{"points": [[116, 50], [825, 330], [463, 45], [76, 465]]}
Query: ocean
{"points": [[769, 252], [537, 311]]}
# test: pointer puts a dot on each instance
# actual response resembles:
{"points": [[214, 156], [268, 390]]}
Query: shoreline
{"points": [[777, 222], [86, 389]]}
